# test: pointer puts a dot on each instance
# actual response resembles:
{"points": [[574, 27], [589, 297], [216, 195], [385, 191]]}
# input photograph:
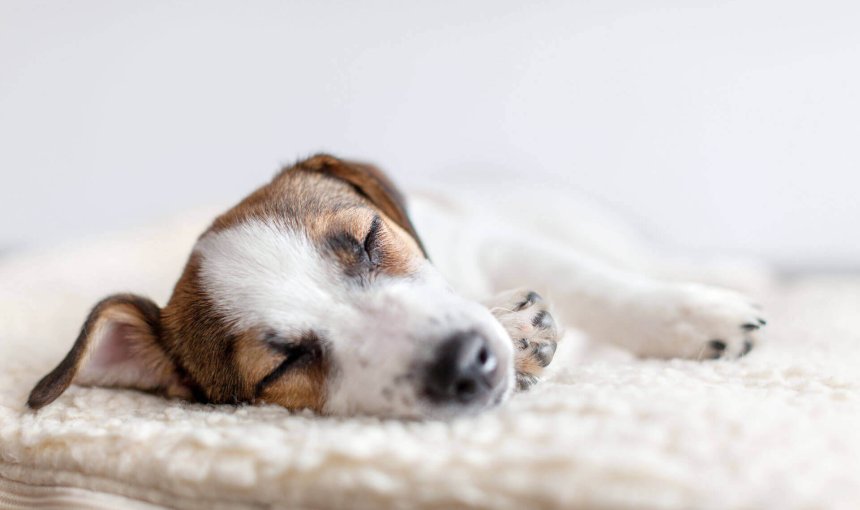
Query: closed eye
{"points": [[359, 257], [371, 242], [299, 353]]}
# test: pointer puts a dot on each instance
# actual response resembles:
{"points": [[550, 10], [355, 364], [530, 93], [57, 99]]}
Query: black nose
{"points": [[464, 369]]}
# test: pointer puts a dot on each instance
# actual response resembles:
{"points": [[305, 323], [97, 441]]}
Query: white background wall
{"points": [[718, 126]]}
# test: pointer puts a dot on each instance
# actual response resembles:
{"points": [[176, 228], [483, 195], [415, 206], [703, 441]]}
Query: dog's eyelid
{"points": [[373, 231], [296, 353], [371, 241], [359, 255], [282, 345], [345, 242]]}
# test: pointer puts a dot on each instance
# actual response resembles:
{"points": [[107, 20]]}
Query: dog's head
{"points": [[313, 292]]}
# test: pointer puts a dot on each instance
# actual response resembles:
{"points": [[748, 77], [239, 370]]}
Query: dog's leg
{"points": [[526, 317], [646, 316]]}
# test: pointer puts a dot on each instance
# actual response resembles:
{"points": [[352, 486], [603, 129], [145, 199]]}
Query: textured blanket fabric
{"points": [[778, 429]]}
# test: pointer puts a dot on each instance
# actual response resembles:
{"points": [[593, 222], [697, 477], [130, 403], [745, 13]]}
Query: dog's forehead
{"points": [[296, 198]]}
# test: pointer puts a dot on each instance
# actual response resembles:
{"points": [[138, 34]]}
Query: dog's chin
{"points": [[452, 410]]}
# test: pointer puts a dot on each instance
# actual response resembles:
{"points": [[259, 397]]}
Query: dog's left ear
{"points": [[119, 346], [372, 183]]}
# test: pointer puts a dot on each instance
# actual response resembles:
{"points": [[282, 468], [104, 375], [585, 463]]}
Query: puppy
{"points": [[316, 292]]}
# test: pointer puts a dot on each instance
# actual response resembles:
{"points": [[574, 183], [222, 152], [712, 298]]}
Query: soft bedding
{"points": [[778, 429]]}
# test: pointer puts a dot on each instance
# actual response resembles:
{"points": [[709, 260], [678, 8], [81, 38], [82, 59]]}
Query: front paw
{"points": [[526, 317], [696, 322]]}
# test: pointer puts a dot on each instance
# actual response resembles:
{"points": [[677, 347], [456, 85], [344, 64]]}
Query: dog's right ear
{"points": [[119, 346]]}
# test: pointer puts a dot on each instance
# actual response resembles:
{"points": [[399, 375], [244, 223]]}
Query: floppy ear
{"points": [[370, 182], [119, 346]]}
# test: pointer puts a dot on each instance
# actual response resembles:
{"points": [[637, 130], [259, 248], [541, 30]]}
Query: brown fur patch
{"points": [[201, 340], [301, 387], [370, 182], [306, 194], [400, 254], [303, 390]]}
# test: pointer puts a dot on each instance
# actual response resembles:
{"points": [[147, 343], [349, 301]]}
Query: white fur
{"points": [[479, 244], [380, 334]]}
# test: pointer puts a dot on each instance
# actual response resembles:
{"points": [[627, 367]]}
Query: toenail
{"points": [[531, 298], [542, 320]]}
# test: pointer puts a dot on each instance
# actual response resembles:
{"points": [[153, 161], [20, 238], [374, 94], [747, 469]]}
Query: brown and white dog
{"points": [[316, 292]]}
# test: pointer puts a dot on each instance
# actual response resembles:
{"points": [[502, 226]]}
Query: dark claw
{"points": [[717, 345], [544, 353], [751, 327], [747, 348], [762, 321], [543, 320], [531, 298], [525, 381]]}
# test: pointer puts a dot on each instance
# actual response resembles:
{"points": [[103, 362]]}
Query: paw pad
{"points": [[525, 316]]}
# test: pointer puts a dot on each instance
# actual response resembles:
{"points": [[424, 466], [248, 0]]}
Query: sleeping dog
{"points": [[317, 292]]}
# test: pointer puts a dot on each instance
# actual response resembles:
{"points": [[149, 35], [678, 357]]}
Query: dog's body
{"points": [[316, 292], [598, 275]]}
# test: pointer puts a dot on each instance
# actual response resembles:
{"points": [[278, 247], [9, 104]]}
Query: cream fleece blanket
{"points": [[779, 429]]}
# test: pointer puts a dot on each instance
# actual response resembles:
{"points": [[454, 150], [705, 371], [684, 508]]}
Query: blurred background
{"points": [[730, 127]]}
